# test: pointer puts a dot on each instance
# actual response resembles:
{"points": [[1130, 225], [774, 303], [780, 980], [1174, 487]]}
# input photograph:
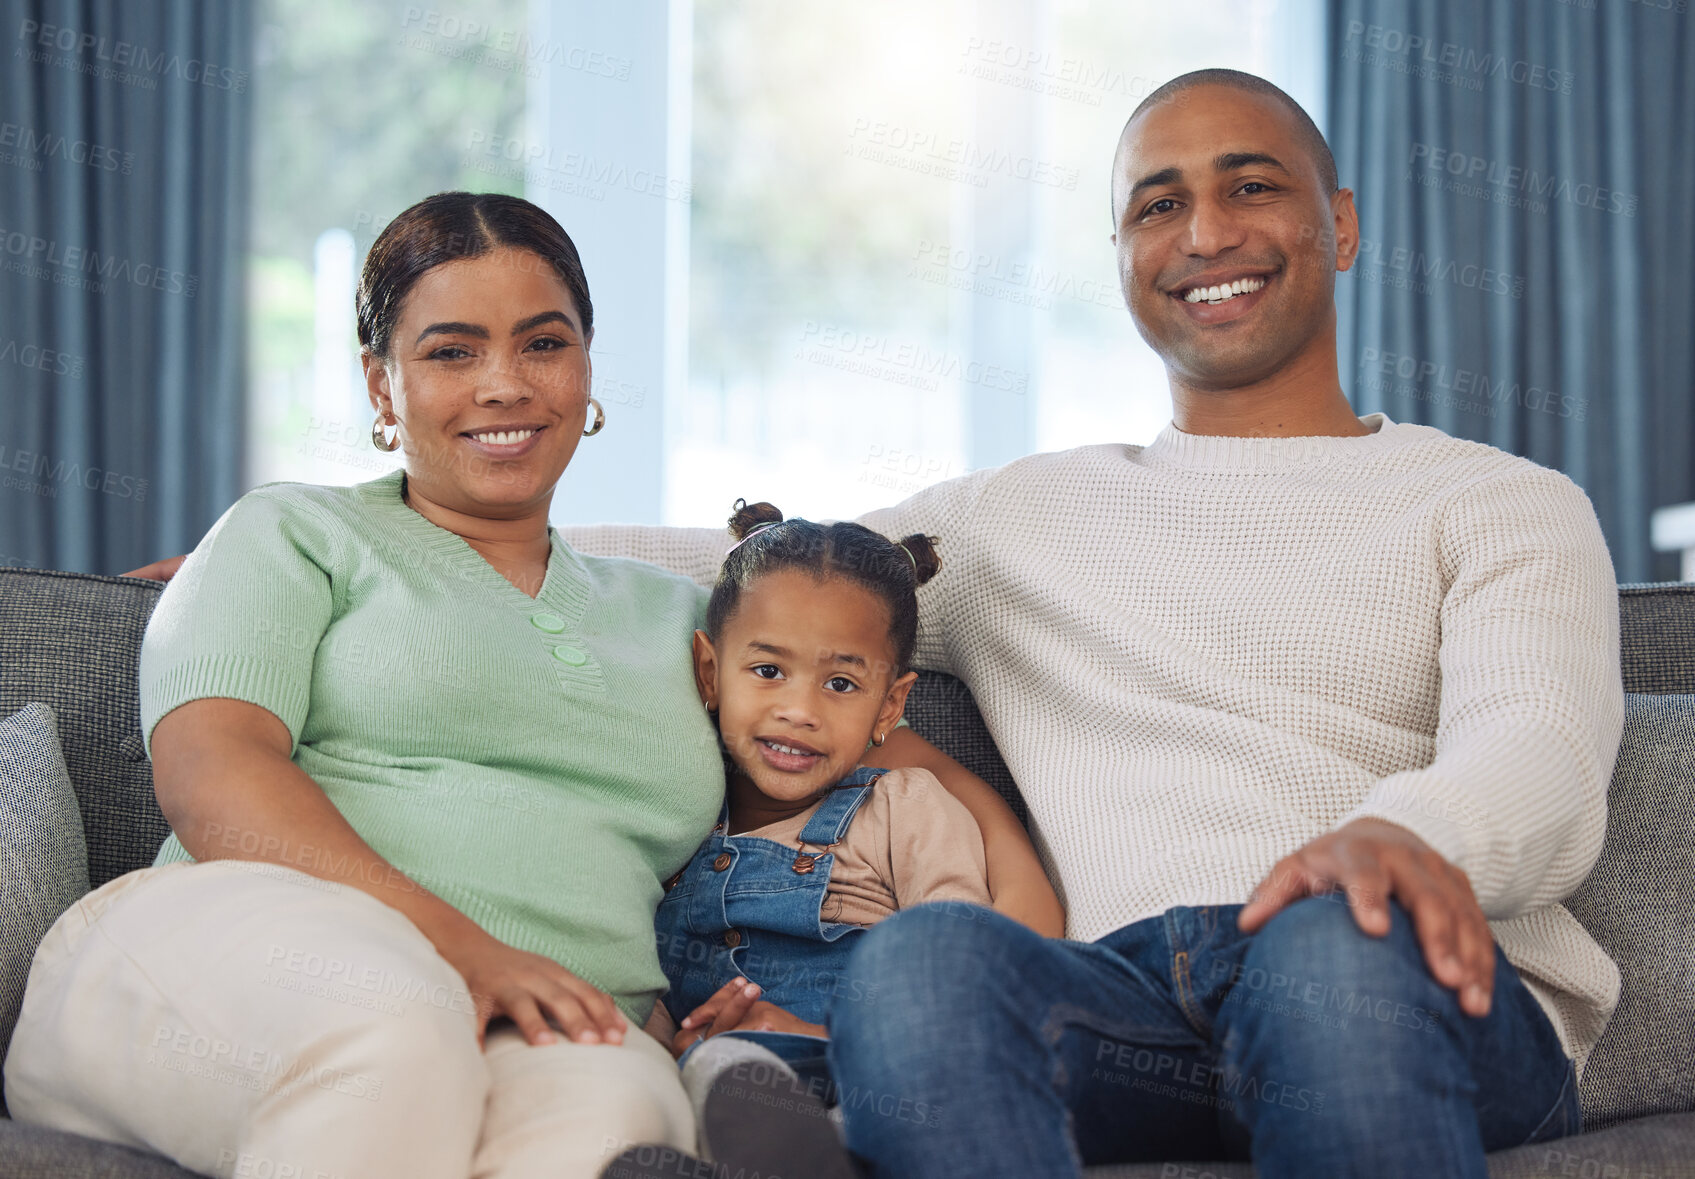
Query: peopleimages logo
{"points": [[49, 475], [519, 49], [116, 56], [1481, 170], [46, 145], [47, 360], [1016, 280], [544, 160], [1422, 56], [1402, 266], [951, 158], [903, 362], [1467, 389], [32, 255]]}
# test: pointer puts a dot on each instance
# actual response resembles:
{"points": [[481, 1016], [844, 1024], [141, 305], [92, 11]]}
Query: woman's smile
{"points": [[504, 442]]}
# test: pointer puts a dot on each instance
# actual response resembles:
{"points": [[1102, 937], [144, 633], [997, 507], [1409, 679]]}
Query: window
{"points": [[360, 109], [900, 259], [838, 252]]}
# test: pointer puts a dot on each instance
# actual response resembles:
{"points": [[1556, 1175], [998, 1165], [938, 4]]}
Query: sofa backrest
{"points": [[71, 640]]}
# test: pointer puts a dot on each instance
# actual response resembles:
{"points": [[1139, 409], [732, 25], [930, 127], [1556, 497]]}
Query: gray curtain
{"points": [[1525, 174], [123, 210]]}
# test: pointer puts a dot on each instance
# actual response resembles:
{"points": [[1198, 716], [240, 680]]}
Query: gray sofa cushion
{"points": [[32, 1152], [43, 865], [941, 710], [1653, 1148], [1639, 903], [72, 641], [1657, 638]]}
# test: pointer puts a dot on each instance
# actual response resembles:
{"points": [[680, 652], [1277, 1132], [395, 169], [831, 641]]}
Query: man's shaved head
{"points": [[1306, 130]]}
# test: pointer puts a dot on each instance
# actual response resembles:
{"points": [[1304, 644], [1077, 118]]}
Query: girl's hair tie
{"points": [[756, 530]]}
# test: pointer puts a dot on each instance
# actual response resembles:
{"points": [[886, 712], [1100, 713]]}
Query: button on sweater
{"points": [[1199, 655], [542, 764]]}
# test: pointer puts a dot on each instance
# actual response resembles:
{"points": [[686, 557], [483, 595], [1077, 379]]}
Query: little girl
{"points": [[804, 662]]}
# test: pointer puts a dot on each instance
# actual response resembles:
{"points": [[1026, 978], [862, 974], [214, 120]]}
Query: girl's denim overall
{"points": [[752, 908]]}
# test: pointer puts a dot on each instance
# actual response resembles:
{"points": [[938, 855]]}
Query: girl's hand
{"points": [[737, 1007], [535, 992]]}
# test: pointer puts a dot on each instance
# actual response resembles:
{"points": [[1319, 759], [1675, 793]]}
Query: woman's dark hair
{"points": [[826, 550], [450, 226]]}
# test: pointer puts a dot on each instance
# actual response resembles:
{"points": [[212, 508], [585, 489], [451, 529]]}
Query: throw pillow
{"points": [[1639, 903], [43, 858]]}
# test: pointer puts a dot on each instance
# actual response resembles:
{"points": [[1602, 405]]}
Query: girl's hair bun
{"points": [[748, 516], [926, 563], [889, 570]]}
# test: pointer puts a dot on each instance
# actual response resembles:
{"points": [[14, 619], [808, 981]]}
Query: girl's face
{"points": [[488, 374], [801, 678]]}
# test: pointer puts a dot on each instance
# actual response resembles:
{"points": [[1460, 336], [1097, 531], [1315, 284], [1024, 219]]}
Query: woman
{"points": [[426, 768]]}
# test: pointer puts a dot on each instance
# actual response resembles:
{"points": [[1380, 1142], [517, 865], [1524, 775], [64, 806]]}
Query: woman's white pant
{"points": [[250, 1020]]}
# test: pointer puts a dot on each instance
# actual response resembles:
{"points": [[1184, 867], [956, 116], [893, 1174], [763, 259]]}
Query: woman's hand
{"points": [[224, 779], [737, 1007], [535, 992]]}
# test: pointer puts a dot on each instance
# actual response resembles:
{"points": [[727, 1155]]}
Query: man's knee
{"points": [[916, 977], [1313, 974], [1319, 935], [928, 953]]}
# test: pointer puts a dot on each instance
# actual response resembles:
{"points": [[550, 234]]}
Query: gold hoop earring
{"points": [[599, 419], [382, 442]]}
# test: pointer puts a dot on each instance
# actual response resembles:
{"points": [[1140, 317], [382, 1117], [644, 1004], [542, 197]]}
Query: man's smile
{"points": [[1223, 296], [1222, 292]]}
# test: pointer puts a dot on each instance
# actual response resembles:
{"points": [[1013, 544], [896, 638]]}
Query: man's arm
{"points": [[1532, 701], [695, 553], [1510, 814], [161, 570]]}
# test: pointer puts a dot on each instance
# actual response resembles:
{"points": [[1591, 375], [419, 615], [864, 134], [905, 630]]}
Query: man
{"points": [[1359, 675], [1314, 716]]}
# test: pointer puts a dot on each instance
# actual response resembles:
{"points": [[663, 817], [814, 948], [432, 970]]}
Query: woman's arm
{"points": [[226, 784], [1016, 881]]}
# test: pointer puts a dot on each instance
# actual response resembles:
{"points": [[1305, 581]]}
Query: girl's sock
{"points": [[755, 1114], [718, 1056]]}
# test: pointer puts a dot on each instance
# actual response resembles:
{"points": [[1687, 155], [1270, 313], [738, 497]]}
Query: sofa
{"points": [[71, 641]]}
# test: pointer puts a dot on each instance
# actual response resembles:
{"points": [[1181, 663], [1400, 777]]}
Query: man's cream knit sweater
{"points": [[1198, 655]]}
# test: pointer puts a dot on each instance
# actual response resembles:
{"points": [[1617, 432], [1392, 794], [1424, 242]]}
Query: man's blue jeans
{"points": [[982, 1049]]}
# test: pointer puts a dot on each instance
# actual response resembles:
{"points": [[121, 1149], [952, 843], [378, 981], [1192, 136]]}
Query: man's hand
{"points": [[160, 570], [1371, 860], [737, 1007]]}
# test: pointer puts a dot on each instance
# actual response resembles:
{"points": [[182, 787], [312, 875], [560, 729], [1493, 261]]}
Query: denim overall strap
{"points": [[830, 822]]}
